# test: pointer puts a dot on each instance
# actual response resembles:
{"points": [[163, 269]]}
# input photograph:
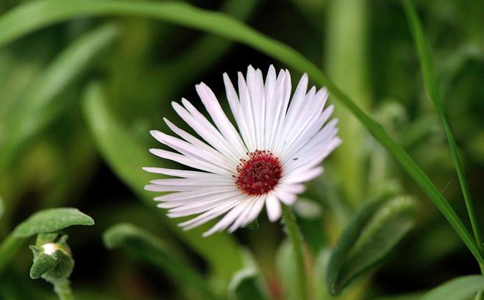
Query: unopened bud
{"points": [[52, 259]]}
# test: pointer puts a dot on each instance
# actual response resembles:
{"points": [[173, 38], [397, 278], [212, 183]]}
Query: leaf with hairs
{"points": [[145, 246], [461, 288], [372, 233]]}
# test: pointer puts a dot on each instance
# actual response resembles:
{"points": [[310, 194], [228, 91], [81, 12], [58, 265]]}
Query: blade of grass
{"points": [[431, 85], [39, 14]]}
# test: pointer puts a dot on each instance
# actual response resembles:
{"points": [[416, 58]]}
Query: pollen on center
{"points": [[259, 174]]}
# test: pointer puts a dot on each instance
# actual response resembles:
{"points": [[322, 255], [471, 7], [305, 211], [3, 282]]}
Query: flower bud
{"points": [[52, 258]]}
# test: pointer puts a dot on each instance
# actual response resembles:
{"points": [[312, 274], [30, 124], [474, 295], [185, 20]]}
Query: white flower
{"points": [[276, 146]]}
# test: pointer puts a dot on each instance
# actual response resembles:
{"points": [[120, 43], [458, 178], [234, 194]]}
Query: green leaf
{"points": [[149, 248], [51, 220], [35, 15], [42, 101], [44, 221], [461, 288], [42, 264], [432, 86], [245, 285], [126, 155], [372, 233]]}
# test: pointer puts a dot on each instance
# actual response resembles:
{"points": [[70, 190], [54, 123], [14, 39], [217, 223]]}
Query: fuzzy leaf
{"points": [[42, 264], [372, 233], [51, 220], [146, 246], [461, 288]]}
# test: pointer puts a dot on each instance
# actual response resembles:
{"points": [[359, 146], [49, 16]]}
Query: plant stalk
{"points": [[63, 289]]}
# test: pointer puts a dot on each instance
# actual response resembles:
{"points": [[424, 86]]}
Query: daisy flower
{"points": [[277, 145]]}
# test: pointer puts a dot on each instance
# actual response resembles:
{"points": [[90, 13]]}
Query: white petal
{"points": [[229, 217], [309, 121], [243, 217], [304, 176], [209, 215], [196, 142], [191, 151], [278, 106], [186, 195], [203, 128], [273, 207], [194, 182], [255, 210], [313, 129], [218, 116], [236, 108], [182, 173], [246, 115], [255, 85], [199, 206], [189, 162], [286, 197], [281, 112]]}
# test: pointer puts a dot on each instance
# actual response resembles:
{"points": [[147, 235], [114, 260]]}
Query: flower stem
{"points": [[63, 289], [295, 236]]}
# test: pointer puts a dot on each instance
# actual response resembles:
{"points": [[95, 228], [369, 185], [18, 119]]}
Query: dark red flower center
{"points": [[259, 174]]}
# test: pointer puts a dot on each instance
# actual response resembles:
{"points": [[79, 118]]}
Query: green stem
{"points": [[8, 249], [295, 236], [63, 289]]}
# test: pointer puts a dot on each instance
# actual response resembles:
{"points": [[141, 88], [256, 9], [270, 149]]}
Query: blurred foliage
{"points": [[78, 99]]}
